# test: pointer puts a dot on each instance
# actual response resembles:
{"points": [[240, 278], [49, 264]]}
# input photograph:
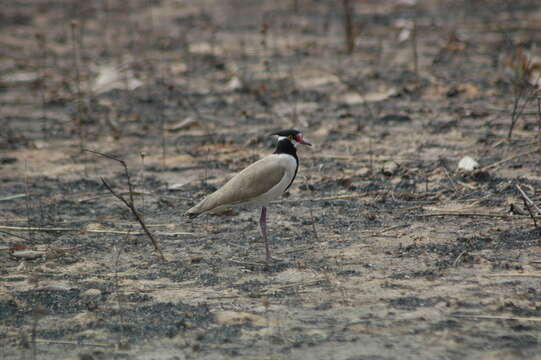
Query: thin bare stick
{"points": [[452, 213], [371, 155], [131, 206], [328, 198], [37, 313], [458, 258], [13, 197], [143, 181], [497, 317], [498, 163], [45, 229], [79, 123], [450, 178], [27, 200], [41, 42], [523, 89], [119, 298], [15, 235], [396, 227], [314, 224], [539, 121], [349, 26], [164, 143], [123, 163], [516, 275], [129, 203], [76, 343], [99, 231], [528, 203], [34, 331], [414, 50]]}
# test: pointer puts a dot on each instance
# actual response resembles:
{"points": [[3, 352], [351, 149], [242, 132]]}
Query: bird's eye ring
{"points": [[290, 137]]}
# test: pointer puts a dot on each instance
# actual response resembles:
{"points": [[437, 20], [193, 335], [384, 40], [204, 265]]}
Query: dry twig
{"points": [[349, 25], [395, 227], [414, 50], [528, 203], [450, 178], [498, 163], [314, 224], [129, 203], [76, 52], [535, 275], [459, 258], [99, 231], [13, 197], [27, 201], [458, 213], [539, 121], [329, 198], [76, 343], [498, 317]]}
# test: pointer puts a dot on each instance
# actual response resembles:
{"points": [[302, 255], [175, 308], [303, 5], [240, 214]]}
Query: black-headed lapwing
{"points": [[258, 184]]}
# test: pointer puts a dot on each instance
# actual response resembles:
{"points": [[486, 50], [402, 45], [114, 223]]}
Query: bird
{"points": [[259, 183]]}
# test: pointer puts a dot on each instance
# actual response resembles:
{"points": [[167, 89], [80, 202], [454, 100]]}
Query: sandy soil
{"points": [[386, 250]]}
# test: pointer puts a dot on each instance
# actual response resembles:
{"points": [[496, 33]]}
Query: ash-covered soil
{"points": [[384, 248]]}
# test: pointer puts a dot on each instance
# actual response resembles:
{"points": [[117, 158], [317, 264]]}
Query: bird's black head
{"points": [[292, 135], [286, 132]]}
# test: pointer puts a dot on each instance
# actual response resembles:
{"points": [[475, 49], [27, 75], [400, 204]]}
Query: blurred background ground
{"points": [[387, 249]]}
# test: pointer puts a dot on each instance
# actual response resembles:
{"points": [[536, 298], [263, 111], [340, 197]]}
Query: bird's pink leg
{"points": [[263, 225]]}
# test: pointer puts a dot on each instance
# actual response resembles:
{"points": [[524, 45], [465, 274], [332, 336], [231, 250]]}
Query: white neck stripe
{"points": [[280, 138]]}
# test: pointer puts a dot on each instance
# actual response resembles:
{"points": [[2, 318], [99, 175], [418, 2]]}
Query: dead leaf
{"points": [[234, 84], [112, 77], [205, 48], [196, 259], [28, 254], [353, 98], [17, 247], [464, 90], [94, 226], [345, 182], [185, 124], [454, 43], [19, 78], [239, 318], [180, 185]]}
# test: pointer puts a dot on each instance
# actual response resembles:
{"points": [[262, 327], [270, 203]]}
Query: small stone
{"points": [[362, 172], [59, 286], [92, 293], [397, 118], [468, 163], [28, 254], [389, 168]]}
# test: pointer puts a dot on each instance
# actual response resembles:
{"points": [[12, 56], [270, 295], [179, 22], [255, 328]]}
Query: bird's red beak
{"points": [[300, 140]]}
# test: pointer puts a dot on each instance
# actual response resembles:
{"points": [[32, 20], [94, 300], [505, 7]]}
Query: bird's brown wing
{"points": [[246, 186]]}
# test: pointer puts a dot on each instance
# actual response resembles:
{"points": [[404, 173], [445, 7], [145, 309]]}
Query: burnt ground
{"points": [[385, 248]]}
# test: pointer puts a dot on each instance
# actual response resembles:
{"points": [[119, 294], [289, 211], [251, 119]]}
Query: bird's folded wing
{"points": [[248, 185]]}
